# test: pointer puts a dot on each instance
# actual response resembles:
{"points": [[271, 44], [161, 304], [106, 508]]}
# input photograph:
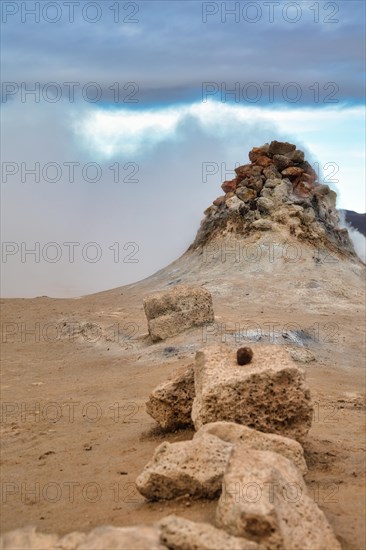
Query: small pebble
{"points": [[244, 356]]}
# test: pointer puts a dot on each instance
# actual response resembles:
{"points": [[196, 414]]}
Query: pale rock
{"points": [[139, 537], [182, 534], [171, 312], [192, 468], [237, 434], [264, 498], [269, 394], [281, 191], [302, 355], [234, 203], [27, 538], [170, 403], [265, 204]]}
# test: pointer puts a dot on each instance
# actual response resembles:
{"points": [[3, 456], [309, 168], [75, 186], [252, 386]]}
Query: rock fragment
{"points": [[248, 438], [281, 148], [171, 312], [182, 534], [170, 403], [193, 468], [264, 498], [141, 537], [269, 395]]}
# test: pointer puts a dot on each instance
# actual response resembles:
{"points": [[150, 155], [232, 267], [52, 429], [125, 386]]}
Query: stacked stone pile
{"points": [[278, 190]]}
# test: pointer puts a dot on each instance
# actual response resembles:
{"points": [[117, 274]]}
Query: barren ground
{"points": [[74, 428]]}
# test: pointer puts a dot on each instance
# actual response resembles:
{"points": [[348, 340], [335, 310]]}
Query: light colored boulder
{"points": [[194, 468], [237, 434], [281, 191], [171, 312], [140, 537], [234, 203], [264, 498], [170, 404], [182, 534], [269, 394], [27, 538]]}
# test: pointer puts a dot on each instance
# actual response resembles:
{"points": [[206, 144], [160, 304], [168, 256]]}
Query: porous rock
{"points": [[246, 194], [194, 468], [265, 204], [182, 534], [280, 148], [170, 403], [281, 162], [264, 498], [139, 537], [238, 434], [234, 203], [269, 395], [171, 312]]}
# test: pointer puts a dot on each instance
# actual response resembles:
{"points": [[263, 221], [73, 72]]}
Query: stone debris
{"points": [[193, 468], [264, 498], [171, 312], [278, 177], [244, 355], [139, 537], [269, 394], [302, 355], [253, 439], [182, 534], [170, 404]]}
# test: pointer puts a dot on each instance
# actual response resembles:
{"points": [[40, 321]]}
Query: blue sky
{"points": [[198, 84]]}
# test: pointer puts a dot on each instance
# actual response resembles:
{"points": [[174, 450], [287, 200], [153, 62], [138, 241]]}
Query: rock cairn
{"points": [[278, 190]]}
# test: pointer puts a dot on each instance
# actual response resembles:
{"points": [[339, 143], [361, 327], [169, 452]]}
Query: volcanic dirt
{"points": [[74, 428], [77, 372]]}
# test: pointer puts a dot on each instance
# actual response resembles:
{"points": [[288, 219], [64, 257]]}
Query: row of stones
{"points": [[227, 458]]}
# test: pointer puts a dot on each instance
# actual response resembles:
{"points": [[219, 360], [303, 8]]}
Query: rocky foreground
{"points": [[249, 433]]}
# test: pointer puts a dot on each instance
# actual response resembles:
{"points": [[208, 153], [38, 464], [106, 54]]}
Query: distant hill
{"points": [[358, 221]]}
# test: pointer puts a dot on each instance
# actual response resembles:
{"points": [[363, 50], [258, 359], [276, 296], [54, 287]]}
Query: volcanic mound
{"points": [[277, 191]]}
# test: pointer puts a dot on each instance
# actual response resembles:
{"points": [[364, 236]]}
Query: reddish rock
{"points": [[281, 148], [309, 170], [229, 185], [281, 162], [219, 201], [292, 172], [243, 170], [303, 189], [257, 152], [263, 161], [310, 178]]}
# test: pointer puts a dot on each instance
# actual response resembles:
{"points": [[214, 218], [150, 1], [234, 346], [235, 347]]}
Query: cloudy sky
{"points": [[121, 120]]}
